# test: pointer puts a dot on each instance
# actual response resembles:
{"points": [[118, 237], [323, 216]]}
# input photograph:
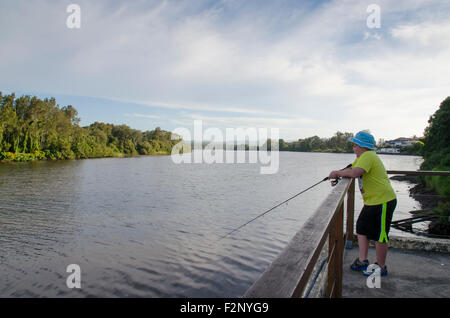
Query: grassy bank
{"points": [[7, 157]]}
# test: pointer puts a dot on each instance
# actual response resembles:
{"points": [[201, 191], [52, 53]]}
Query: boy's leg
{"points": [[363, 243], [381, 250], [381, 246]]}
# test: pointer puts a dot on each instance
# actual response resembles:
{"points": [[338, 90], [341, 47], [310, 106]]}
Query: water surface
{"points": [[146, 227]]}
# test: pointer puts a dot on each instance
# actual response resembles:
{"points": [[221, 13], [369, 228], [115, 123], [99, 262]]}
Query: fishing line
{"points": [[333, 183]]}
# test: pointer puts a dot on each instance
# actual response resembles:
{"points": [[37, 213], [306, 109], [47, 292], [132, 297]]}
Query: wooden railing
{"points": [[290, 273]]}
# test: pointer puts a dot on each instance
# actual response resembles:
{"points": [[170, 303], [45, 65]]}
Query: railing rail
{"points": [[419, 173], [289, 273]]}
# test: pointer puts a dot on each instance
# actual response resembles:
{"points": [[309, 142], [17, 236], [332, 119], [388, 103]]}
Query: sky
{"points": [[305, 67]]}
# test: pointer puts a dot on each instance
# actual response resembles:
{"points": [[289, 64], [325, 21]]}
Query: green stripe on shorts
{"points": [[383, 235]]}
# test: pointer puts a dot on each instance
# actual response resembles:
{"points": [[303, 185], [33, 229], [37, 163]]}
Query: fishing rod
{"points": [[333, 183]]}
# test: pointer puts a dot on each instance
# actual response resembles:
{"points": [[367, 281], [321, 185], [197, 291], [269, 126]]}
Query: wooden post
{"points": [[331, 261], [339, 251], [350, 215], [335, 255]]}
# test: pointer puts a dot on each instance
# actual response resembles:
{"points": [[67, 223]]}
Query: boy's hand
{"points": [[333, 175]]}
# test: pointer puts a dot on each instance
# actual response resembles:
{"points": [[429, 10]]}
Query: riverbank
{"points": [[419, 192], [429, 201], [26, 157]]}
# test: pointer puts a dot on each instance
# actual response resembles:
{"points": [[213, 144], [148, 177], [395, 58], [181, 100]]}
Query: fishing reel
{"points": [[334, 182]]}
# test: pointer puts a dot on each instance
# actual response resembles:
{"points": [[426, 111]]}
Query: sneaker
{"points": [[358, 265], [374, 268]]}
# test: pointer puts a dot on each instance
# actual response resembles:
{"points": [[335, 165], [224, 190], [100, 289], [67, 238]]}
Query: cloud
{"points": [[310, 68], [263, 122], [143, 116], [426, 34], [200, 106]]}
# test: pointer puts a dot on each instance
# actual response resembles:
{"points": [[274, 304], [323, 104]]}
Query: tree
{"points": [[283, 145], [9, 124], [437, 133], [71, 113], [436, 150]]}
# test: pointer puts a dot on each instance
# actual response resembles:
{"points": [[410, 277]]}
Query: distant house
{"points": [[401, 142], [388, 150]]}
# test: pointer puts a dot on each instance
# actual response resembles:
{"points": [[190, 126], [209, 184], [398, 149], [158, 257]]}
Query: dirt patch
{"points": [[411, 179], [427, 198]]}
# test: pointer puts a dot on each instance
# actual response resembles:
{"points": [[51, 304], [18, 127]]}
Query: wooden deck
{"points": [[411, 274]]}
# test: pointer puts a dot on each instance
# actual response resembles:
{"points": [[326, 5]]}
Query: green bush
{"points": [[443, 210], [22, 157], [6, 155], [38, 154], [441, 184]]}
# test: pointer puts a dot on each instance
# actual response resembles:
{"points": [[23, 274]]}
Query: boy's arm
{"points": [[347, 173]]}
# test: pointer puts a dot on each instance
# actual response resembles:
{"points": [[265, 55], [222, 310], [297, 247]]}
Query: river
{"points": [[147, 227]]}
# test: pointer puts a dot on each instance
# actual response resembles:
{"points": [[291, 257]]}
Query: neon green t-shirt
{"points": [[374, 183]]}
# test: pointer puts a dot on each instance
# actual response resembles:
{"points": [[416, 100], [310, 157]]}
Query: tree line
{"points": [[338, 143], [33, 128], [436, 149]]}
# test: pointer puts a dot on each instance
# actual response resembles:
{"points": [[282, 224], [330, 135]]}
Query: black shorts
{"points": [[374, 221]]}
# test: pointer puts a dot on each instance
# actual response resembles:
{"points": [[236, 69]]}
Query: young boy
{"points": [[379, 198]]}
